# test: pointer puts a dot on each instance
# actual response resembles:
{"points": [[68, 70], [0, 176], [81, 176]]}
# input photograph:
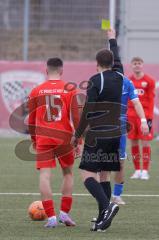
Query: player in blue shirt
{"points": [[129, 93]]}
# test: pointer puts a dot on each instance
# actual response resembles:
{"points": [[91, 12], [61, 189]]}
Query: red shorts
{"points": [[135, 133], [47, 155]]}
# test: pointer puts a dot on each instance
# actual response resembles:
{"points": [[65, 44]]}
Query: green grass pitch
{"points": [[139, 219]]}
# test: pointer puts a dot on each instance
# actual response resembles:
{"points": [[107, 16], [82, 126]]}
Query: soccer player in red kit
{"points": [[145, 86], [50, 107]]}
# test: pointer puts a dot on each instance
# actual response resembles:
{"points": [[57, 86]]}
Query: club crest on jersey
{"points": [[144, 84]]}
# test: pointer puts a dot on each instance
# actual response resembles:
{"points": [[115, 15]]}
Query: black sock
{"points": [[107, 189], [97, 192]]}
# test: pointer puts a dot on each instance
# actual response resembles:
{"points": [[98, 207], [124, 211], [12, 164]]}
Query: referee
{"points": [[101, 117]]}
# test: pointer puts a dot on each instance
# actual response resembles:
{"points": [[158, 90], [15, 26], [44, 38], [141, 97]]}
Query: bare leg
{"points": [[105, 176], [119, 176], [134, 142], [86, 174], [67, 185], [45, 183]]}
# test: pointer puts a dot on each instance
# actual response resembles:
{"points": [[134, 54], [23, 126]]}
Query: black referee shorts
{"points": [[104, 156]]}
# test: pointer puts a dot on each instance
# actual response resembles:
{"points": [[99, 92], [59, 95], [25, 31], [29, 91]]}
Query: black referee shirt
{"points": [[102, 108]]}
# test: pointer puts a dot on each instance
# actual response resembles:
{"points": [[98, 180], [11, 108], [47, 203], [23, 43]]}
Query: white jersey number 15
{"points": [[50, 104]]}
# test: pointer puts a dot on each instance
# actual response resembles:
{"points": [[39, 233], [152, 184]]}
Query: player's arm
{"points": [[117, 66], [75, 109], [75, 115], [151, 96], [140, 112], [32, 116]]}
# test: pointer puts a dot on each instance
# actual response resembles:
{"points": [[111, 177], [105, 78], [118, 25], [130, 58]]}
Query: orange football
{"points": [[36, 211]]}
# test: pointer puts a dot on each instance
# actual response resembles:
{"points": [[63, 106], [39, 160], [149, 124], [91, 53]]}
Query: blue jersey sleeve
{"points": [[132, 91]]}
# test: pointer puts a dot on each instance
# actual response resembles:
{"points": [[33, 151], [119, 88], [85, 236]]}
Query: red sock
{"points": [[146, 156], [66, 204], [49, 208], [136, 156]]}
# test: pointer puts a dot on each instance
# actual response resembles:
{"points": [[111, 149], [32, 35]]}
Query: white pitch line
{"points": [[75, 194], [37, 194], [140, 195]]}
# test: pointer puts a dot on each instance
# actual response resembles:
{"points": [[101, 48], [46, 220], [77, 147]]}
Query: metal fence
{"points": [[66, 28]]}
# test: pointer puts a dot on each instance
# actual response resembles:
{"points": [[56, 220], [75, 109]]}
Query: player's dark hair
{"points": [[54, 64], [105, 58]]}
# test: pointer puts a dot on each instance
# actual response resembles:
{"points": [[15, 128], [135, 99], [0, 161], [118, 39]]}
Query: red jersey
{"points": [[50, 109], [145, 87]]}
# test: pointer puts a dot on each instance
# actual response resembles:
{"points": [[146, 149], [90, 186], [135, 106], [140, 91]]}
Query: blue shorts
{"points": [[122, 149]]}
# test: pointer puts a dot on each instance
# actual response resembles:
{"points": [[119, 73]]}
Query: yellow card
{"points": [[105, 24]]}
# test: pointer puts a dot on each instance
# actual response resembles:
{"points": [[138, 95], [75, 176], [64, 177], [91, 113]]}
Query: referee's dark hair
{"points": [[54, 64], [105, 58]]}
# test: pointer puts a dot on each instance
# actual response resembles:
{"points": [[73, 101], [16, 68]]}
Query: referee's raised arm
{"points": [[117, 66]]}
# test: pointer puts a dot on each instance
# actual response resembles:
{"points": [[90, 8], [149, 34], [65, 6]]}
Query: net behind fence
{"points": [[69, 29]]}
